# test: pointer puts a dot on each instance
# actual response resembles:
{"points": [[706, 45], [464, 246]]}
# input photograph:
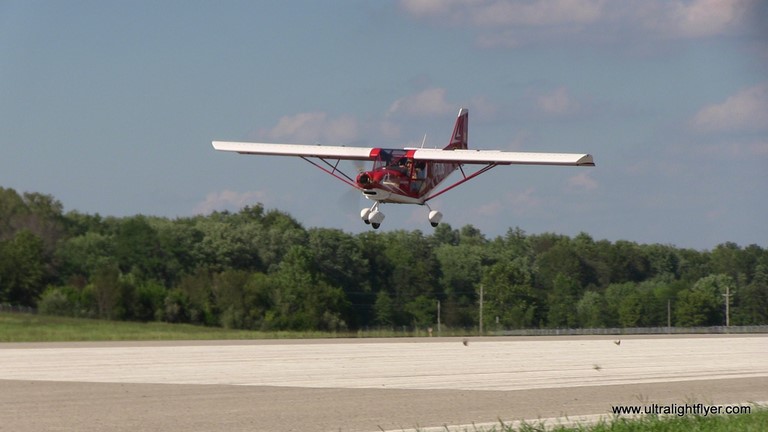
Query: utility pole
{"points": [[438, 318], [669, 316], [727, 296], [481, 309]]}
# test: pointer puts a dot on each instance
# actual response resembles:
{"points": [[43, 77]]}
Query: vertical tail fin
{"points": [[460, 137]]}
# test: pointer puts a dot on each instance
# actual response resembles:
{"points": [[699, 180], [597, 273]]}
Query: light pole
{"points": [[481, 309], [727, 296]]}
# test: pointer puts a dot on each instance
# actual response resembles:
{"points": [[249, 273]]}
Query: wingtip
{"points": [[586, 160]]}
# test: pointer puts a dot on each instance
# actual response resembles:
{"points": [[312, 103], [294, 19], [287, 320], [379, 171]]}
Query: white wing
{"points": [[499, 157], [320, 151]]}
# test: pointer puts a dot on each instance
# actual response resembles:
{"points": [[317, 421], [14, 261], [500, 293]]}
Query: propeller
{"points": [[359, 165], [351, 201]]}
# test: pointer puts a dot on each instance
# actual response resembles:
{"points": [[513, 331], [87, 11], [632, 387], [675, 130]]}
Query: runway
{"points": [[364, 384]]}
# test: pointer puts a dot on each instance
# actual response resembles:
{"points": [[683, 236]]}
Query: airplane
{"points": [[407, 175]]}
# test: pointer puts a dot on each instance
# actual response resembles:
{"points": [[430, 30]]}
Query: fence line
{"points": [[5, 307], [634, 330]]}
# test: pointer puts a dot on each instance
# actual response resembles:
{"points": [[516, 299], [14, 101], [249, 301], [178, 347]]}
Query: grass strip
{"points": [[756, 421], [26, 327]]}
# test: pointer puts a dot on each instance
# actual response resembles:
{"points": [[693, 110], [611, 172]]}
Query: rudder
{"points": [[460, 137]]}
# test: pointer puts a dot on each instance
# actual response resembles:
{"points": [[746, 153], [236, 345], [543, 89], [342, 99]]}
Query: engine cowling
{"points": [[365, 180]]}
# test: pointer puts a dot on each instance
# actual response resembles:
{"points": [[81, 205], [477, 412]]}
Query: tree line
{"points": [[260, 269]]}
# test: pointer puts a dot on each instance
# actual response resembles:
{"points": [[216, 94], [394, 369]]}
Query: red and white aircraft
{"points": [[409, 175]]}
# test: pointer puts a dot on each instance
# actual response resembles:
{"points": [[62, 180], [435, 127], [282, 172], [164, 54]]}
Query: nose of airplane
{"points": [[364, 179]]}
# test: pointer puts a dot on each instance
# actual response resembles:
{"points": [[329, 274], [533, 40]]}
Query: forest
{"points": [[262, 270]]}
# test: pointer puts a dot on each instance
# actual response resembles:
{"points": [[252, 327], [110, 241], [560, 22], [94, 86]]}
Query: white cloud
{"points": [[557, 102], [538, 13], [510, 23], [736, 150], [341, 130], [701, 18], [429, 102], [228, 200], [501, 39], [746, 110], [492, 208], [482, 107], [504, 13], [523, 202], [388, 129], [759, 148], [517, 203], [425, 8], [519, 142], [321, 128], [315, 127], [582, 182]]}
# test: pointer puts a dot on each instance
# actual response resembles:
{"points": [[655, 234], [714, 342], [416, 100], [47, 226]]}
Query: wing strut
{"points": [[346, 179], [463, 180]]}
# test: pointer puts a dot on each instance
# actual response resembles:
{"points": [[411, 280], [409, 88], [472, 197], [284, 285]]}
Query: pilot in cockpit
{"points": [[403, 165]]}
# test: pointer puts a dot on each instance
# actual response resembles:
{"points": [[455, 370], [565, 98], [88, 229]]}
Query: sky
{"points": [[111, 106]]}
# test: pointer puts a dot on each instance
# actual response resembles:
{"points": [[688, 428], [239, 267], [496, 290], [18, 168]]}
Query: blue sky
{"points": [[110, 106]]}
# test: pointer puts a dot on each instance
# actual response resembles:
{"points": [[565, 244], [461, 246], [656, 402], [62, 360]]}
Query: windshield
{"points": [[389, 158]]}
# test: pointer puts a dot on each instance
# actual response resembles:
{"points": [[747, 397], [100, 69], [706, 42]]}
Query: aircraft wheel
{"points": [[435, 217], [375, 225], [364, 214], [376, 218]]}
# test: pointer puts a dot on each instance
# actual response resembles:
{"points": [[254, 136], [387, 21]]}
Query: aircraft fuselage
{"points": [[397, 178]]}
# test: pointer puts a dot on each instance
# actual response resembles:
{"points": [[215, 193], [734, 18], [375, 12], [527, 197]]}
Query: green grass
{"points": [[20, 327], [757, 421], [23, 327]]}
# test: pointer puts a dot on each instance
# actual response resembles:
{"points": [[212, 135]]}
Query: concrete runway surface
{"points": [[365, 384]]}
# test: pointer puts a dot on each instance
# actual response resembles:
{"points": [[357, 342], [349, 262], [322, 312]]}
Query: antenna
{"points": [[424, 141]]}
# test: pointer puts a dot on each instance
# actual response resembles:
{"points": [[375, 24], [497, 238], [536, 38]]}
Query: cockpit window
{"points": [[390, 158]]}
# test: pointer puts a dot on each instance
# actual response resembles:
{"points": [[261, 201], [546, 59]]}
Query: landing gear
{"points": [[372, 216], [375, 218], [364, 215], [435, 217]]}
